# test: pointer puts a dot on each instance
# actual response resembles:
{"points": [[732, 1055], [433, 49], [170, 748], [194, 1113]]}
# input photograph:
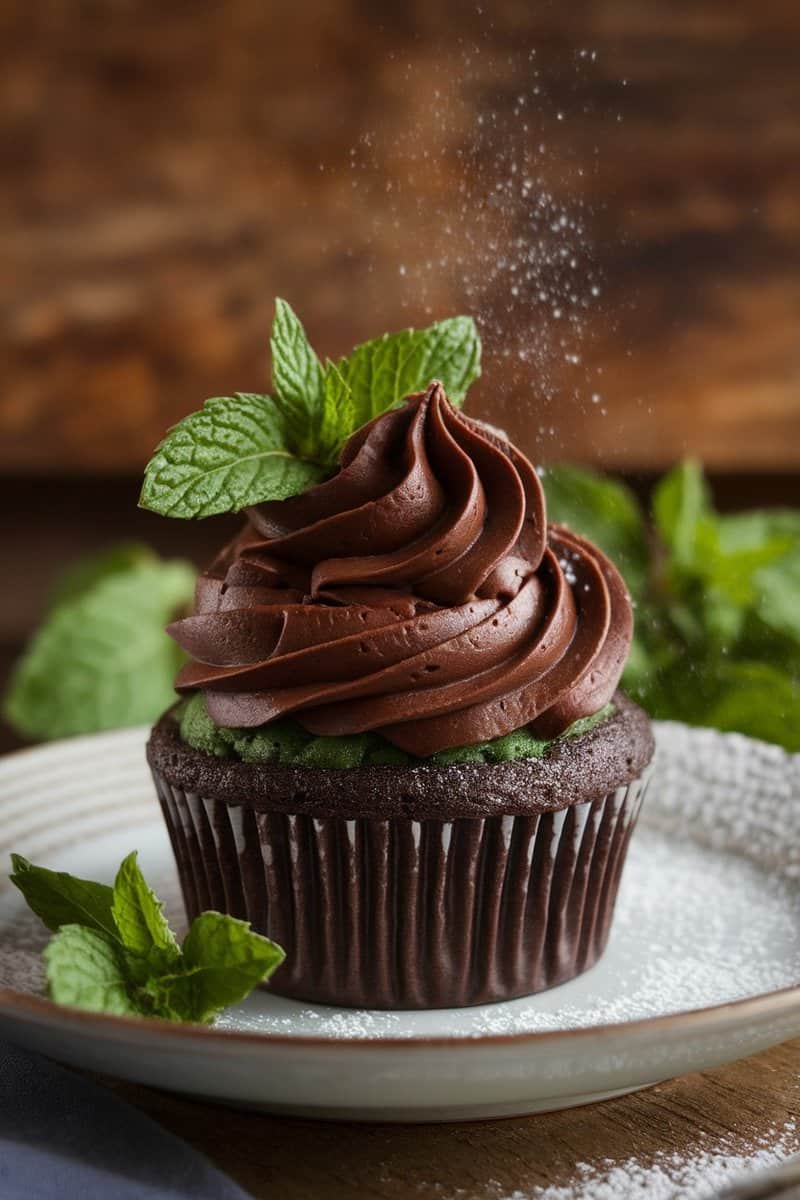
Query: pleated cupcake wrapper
{"points": [[410, 914]]}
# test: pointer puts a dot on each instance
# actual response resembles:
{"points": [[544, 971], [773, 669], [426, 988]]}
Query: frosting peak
{"points": [[419, 593]]}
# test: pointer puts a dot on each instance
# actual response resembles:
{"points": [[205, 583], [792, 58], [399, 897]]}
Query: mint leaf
{"points": [[60, 899], [232, 453], [246, 449], [223, 960], [339, 415], [714, 562], [381, 373], [777, 602], [103, 660], [757, 699], [86, 969], [92, 569], [606, 512], [682, 511], [138, 915], [115, 952], [297, 379], [775, 582]]}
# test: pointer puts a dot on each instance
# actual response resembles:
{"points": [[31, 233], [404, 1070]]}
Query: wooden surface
{"points": [[168, 169], [683, 1129]]}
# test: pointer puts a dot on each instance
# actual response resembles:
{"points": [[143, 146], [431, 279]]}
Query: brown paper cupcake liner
{"points": [[403, 913]]}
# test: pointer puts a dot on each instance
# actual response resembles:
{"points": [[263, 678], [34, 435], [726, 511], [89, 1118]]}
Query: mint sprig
{"points": [[113, 950], [248, 448], [717, 596], [102, 659]]}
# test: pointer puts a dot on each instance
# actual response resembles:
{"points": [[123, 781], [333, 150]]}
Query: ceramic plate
{"points": [[703, 965]]}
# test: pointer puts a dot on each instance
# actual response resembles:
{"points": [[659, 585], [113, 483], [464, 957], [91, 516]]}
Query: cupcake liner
{"points": [[400, 913]]}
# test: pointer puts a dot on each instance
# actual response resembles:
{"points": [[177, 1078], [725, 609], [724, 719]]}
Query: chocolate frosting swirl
{"points": [[418, 593]]}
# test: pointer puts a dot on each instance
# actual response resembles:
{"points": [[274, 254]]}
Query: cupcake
{"points": [[400, 750]]}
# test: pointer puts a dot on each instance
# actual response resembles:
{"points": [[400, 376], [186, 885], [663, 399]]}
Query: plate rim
{"points": [[42, 1010], [46, 1011]]}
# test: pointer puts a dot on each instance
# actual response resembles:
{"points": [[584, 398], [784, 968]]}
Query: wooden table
{"points": [[685, 1129]]}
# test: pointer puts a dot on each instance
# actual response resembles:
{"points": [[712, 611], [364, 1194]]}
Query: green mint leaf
{"points": [[60, 899], [90, 570], [338, 417], [139, 917], [769, 542], [114, 951], [682, 510], [606, 512], [297, 379], [246, 449], [777, 602], [639, 668], [223, 960], [757, 528], [757, 699], [86, 969], [232, 453], [103, 660], [381, 373]]}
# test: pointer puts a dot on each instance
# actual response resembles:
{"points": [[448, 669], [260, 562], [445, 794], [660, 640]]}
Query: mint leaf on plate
{"points": [[60, 899], [102, 659], [138, 915], [86, 969], [223, 960], [232, 453], [114, 951]]}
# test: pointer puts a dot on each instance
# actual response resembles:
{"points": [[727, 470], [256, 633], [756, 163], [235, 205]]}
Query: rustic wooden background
{"points": [[167, 169]]}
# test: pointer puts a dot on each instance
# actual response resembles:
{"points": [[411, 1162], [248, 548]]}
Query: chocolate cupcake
{"points": [[414, 621]]}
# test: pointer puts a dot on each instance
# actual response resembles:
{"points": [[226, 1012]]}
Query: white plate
{"points": [[703, 965]]}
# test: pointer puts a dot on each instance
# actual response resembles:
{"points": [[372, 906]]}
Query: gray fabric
{"points": [[65, 1138]]}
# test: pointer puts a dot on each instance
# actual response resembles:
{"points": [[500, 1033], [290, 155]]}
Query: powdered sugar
{"points": [[699, 1173], [481, 195], [693, 928]]}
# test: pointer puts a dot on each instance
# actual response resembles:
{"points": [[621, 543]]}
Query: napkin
{"points": [[63, 1137]]}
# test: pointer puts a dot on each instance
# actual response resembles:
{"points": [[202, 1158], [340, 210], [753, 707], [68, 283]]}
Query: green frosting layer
{"points": [[287, 743]]}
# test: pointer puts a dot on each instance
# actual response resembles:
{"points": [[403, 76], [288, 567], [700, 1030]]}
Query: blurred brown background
{"points": [[612, 187], [169, 168]]}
